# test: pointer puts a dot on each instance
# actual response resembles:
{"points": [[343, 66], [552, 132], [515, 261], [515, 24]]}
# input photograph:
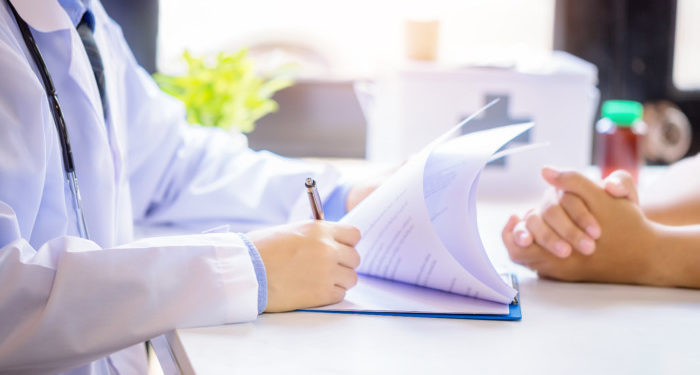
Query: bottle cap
{"points": [[623, 113]]}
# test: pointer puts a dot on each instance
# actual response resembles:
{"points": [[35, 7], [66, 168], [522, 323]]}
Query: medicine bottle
{"points": [[619, 137]]}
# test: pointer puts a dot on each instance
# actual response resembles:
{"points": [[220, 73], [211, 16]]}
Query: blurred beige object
{"points": [[421, 38], [668, 135]]}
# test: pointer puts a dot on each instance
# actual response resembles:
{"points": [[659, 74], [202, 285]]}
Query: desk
{"points": [[566, 328]]}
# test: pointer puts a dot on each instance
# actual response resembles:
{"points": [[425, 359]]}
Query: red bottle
{"points": [[619, 137]]}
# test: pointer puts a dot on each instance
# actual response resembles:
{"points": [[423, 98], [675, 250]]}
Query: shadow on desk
{"points": [[598, 297]]}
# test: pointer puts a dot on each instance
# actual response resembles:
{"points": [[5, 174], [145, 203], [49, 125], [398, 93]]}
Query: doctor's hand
{"points": [[564, 223], [307, 264]]}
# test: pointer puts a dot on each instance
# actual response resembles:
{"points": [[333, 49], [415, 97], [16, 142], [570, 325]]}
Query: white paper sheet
{"points": [[450, 185], [377, 295], [420, 228]]}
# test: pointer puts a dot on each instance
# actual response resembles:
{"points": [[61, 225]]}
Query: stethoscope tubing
{"points": [[59, 121]]}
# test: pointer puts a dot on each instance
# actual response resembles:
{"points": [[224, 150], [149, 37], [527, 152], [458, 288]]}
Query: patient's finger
{"points": [[532, 256], [577, 210], [516, 253], [556, 218], [546, 237], [508, 228], [573, 182], [521, 235], [620, 184]]}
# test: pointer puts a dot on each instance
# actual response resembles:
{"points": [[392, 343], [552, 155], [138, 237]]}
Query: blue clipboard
{"points": [[514, 311]]}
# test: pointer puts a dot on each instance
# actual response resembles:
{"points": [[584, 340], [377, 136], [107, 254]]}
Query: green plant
{"points": [[226, 94]]}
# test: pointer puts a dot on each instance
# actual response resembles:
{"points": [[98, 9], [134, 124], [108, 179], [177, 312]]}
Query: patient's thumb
{"points": [[620, 184]]}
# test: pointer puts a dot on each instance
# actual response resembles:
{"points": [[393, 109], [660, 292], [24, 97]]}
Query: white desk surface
{"points": [[566, 328]]}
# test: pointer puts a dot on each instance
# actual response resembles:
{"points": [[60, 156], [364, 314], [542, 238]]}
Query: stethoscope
{"points": [[68, 163]]}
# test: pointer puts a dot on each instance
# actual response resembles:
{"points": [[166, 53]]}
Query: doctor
{"points": [[76, 295]]}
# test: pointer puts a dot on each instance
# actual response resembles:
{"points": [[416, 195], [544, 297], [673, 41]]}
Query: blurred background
{"points": [[642, 50]]}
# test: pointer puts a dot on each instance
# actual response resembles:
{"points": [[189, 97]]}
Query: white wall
{"points": [[358, 36]]}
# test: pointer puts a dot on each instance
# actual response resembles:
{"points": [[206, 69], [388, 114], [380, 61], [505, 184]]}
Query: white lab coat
{"points": [[71, 304]]}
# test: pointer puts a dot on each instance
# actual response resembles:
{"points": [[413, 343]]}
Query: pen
{"points": [[314, 200]]}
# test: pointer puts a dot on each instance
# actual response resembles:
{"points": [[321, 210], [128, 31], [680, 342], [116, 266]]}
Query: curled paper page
{"points": [[420, 226]]}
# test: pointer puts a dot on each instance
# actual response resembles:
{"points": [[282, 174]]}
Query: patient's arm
{"points": [[675, 198], [679, 255]]}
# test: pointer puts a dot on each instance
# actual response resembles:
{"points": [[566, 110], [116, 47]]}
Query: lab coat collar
{"points": [[43, 15]]}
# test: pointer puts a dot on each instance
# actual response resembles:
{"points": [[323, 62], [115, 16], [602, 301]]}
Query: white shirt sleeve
{"points": [[202, 176], [66, 301], [70, 302]]}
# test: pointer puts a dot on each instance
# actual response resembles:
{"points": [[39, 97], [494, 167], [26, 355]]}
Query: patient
{"points": [[589, 231]]}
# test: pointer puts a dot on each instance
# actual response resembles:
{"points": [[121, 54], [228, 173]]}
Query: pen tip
{"points": [[310, 182]]}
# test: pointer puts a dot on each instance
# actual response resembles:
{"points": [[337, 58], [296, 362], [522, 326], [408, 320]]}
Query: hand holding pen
{"points": [[308, 263]]}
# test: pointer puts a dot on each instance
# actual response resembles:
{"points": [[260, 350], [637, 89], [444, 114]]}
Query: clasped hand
{"points": [[584, 231]]}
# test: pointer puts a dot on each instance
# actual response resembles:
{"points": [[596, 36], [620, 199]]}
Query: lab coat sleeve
{"points": [[188, 174], [70, 302], [65, 301]]}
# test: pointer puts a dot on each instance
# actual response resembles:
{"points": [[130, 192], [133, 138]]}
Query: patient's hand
{"points": [[626, 248], [563, 222]]}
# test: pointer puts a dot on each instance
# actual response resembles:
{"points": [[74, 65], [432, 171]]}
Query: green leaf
{"points": [[228, 93]]}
